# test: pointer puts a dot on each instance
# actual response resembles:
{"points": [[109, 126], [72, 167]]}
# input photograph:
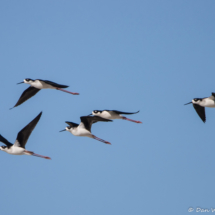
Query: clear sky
{"points": [[152, 56]]}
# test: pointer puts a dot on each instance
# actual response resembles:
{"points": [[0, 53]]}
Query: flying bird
{"points": [[113, 114], [200, 103], [84, 128], [18, 148], [36, 86]]}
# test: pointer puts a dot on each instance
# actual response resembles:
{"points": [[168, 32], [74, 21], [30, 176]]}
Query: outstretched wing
{"points": [[6, 142], [27, 94], [89, 120], [120, 112], [24, 134], [54, 84], [200, 111]]}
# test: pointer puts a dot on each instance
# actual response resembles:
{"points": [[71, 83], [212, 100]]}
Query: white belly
{"points": [[14, 150], [210, 106], [209, 103], [41, 85], [80, 132], [110, 115]]}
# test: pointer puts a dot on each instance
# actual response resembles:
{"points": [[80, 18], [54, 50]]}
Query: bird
{"points": [[200, 103], [84, 128], [18, 148], [36, 86], [113, 114]]}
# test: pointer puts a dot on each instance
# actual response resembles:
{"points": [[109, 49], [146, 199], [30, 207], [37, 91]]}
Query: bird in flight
{"points": [[18, 148], [113, 114], [36, 86], [84, 128], [200, 103]]}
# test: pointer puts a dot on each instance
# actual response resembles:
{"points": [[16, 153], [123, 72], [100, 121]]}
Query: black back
{"points": [[120, 112], [54, 84], [27, 94], [89, 120], [6, 142], [24, 134], [200, 111]]}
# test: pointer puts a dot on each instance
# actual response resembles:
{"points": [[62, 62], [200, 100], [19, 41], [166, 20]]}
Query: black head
{"points": [[3, 147], [96, 112], [197, 99], [28, 79]]}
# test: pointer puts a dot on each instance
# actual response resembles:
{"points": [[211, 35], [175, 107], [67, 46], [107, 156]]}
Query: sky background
{"points": [[152, 56]]}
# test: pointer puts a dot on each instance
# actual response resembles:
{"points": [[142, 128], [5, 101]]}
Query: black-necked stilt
{"points": [[36, 86], [84, 128], [18, 148], [113, 114], [200, 103]]}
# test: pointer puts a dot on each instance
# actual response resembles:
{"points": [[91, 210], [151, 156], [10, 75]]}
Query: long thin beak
{"points": [[188, 103], [63, 130], [21, 82]]}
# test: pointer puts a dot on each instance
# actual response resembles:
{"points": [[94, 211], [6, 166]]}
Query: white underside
{"points": [[108, 115], [41, 85], [14, 150], [80, 131], [207, 103]]}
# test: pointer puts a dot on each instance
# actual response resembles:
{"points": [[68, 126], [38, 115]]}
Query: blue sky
{"points": [[152, 56]]}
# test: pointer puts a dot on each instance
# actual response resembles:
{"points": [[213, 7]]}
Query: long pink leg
{"points": [[41, 156], [131, 120], [67, 91], [96, 138]]}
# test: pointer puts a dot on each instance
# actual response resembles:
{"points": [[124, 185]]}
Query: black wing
{"points": [[24, 134], [72, 124], [201, 111], [27, 94], [120, 112], [54, 84], [89, 120], [6, 142]]}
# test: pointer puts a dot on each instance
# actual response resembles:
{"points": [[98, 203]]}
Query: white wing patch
{"points": [[17, 144]]}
